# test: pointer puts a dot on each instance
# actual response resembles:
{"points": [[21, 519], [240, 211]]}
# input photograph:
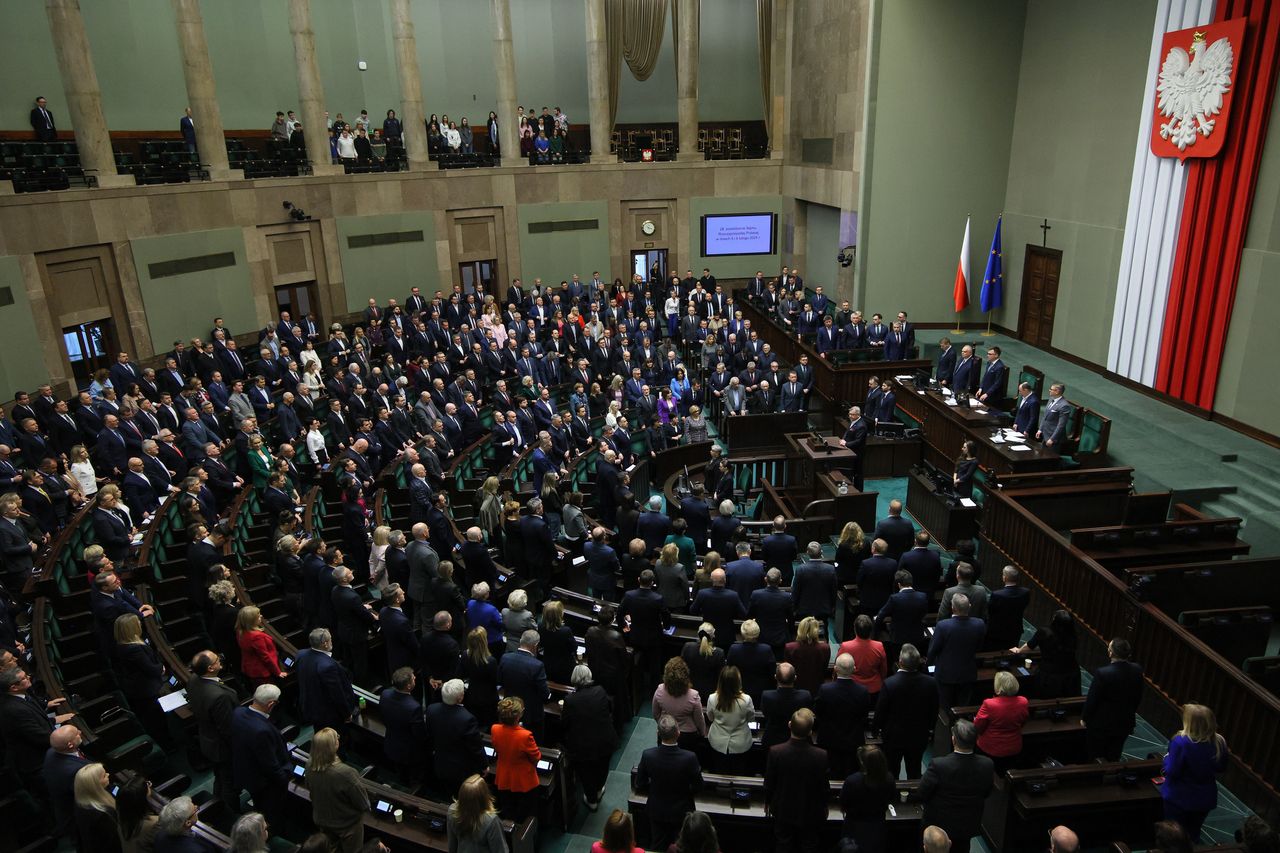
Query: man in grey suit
{"points": [[1055, 417], [977, 593], [735, 398], [423, 565]]}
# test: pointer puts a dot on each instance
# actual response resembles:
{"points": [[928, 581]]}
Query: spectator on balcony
{"points": [[188, 127], [542, 148], [493, 132], [392, 131], [346, 145], [452, 138], [466, 137], [280, 128], [364, 149], [525, 132]]}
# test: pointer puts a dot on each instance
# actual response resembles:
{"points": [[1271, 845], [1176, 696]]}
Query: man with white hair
{"points": [[521, 673], [453, 738], [653, 526], [936, 840], [259, 757], [608, 484]]}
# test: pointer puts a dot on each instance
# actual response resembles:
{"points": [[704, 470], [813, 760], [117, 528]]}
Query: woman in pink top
{"points": [[619, 835], [870, 666], [676, 696]]}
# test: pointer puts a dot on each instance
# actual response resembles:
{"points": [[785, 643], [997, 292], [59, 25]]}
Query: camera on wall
{"points": [[296, 213], [846, 255]]}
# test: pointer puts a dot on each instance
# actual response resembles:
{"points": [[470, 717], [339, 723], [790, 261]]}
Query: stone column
{"points": [[412, 116], [505, 57], [84, 98], [780, 79], [598, 82], [202, 96], [310, 90], [687, 78]]}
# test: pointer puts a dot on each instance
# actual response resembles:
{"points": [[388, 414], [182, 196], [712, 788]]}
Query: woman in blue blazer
{"points": [[1197, 755]]}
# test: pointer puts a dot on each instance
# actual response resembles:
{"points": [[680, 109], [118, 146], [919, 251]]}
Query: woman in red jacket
{"points": [[999, 722], [258, 659], [516, 774]]}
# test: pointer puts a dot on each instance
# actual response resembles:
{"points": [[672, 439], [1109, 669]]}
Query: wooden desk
{"points": [[806, 460], [945, 523], [890, 457]]}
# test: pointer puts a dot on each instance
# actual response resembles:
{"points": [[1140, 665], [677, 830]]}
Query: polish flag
{"points": [[962, 272]]}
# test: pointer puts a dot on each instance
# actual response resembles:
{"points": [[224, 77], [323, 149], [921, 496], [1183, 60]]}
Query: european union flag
{"points": [[993, 280]]}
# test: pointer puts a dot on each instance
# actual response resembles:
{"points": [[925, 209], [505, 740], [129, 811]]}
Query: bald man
{"points": [[780, 703], [1063, 840], [61, 763], [936, 840], [719, 606]]}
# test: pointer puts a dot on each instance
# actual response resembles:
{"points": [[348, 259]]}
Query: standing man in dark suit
{"points": [[855, 439], [875, 579], [259, 756], [946, 369], [796, 790], [1056, 418], [404, 745], [779, 704], [212, 703], [397, 634], [42, 123], [539, 549], [61, 763], [906, 712], [1005, 607], [25, 728], [188, 127], [774, 611], [744, 575], [1111, 707], [453, 737], [1026, 414], [842, 706], [354, 619], [697, 516], [520, 673], [991, 390], [924, 564], [814, 586], [644, 615], [906, 608], [325, 698], [897, 532], [965, 378], [719, 606], [956, 642], [779, 550], [670, 776], [954, 787]]}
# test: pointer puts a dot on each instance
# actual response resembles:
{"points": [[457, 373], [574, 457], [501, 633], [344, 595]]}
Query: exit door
{"points": [[1040, 272], [650, 265], [88, 349]]}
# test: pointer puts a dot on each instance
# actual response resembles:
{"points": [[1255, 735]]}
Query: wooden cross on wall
{"points": [[1046, 228]]}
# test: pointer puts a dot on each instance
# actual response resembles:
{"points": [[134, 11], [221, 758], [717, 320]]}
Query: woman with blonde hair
{"points": [[672, 582], [480, 672], [261, 462], [473, 823], [82, 469], [552, 503], [559, 648], [97, 821], [702, 574], [851, 549], [1197, 756], [615, 412], [259, 660], [378, 557], [516, 618], [999, 722], [141, 676], [809, 654], [490, 509], [695, 426], [338, 800]]}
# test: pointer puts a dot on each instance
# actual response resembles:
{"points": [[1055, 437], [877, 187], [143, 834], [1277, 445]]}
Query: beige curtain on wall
{"points": [[764, 43], [634, 30]]}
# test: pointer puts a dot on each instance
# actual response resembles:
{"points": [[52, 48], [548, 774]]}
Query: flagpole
{"points": [[988, 333], [957, 330]]}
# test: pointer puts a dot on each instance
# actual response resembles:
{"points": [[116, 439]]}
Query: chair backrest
{"points": [[1033, 377], [1094, 430]]}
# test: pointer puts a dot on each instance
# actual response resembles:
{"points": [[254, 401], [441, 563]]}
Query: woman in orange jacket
{"points": [[516, 774]]}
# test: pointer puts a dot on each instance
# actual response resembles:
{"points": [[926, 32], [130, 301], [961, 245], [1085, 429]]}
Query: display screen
{"points": [[738, 234]]}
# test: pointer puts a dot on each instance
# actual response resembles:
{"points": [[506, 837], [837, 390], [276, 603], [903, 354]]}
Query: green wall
{"points": [[734, 267], [18, 331], [560, 254], [375, 272], [139, 65], [1075, 174], [945, 95], [180, 306], [1246, 382], [822, 244]]}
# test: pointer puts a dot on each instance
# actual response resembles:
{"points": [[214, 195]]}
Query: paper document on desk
{"points": [[967, 502], [974, 403], [997, 439], [173, 701], [1015, 436], [906, 377], [950, 401], [1019, 447]]}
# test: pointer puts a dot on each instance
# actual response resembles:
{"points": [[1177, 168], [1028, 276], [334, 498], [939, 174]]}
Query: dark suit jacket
{"points": [[112, 534], [106, 609], [907, 708], [523, 675], [946, 365], [1005, 607], [139, 671], [439, 656], [777, 706], [1113, 698], [212, 702], [956, 642], [259, 757], [653, 528], [648, 614], [453, 735], [875, 583], [670, 776], [907, 608], [814, 589], [403, 716], [697, 515], [25, 728], [795, 782], [756, 662], [539, 548], [1026, 414], [841, 707], [744, 576], [352, 618], [779, 552], [59, 774], [324, 687], [898, 533], [993, 382], [925, 566], [953, 790], [965, 379], [398, 636], [719, 607], [773, 609]]}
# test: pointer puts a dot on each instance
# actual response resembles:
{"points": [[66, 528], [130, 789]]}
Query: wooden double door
{"points": [[1041, 270]]}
